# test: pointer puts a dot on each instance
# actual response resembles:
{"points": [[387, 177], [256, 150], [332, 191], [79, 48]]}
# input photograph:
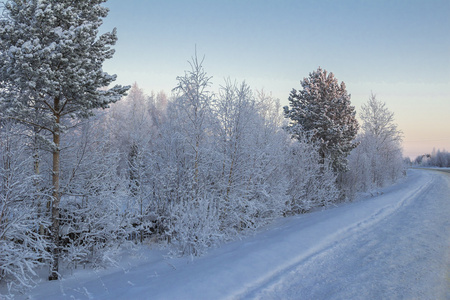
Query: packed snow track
{"points": [[395, 245], [402, 255]]}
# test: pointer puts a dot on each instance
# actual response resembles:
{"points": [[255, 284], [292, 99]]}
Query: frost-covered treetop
{"points": [[378, 121], [49, 49]]}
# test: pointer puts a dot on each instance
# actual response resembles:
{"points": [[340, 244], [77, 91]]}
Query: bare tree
{"points": [[378, 158]]}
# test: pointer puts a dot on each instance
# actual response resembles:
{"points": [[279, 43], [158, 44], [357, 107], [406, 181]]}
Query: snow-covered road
{"points": [[392, 246], [405, 255]]}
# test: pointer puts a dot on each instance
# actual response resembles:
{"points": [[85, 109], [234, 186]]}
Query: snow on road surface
{"points": [[405, 255], [395, 245]]}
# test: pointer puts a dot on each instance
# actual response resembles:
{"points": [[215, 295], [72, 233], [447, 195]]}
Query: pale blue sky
{"points": [[400, 50]]}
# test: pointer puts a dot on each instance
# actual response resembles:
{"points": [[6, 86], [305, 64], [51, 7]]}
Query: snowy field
{"points": [[392, 246]]}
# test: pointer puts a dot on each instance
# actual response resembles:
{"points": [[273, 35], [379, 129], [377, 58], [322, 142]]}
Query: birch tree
{"points": [[377, 160], [382, 134]]}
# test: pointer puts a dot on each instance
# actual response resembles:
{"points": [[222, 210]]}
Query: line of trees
{"points": [[437, 158], [190, 171]]}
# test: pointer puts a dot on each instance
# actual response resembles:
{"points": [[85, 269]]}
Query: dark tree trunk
{"points": [[56, 196]]}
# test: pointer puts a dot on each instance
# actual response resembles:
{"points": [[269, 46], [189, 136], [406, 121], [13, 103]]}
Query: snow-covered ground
{"points": [[392, 246]]}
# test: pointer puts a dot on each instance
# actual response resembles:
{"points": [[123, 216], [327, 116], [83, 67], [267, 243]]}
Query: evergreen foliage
{"points": [[322, 111], [51, 68]]}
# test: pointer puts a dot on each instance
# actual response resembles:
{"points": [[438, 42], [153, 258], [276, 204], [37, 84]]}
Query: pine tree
{"points": [[322, 111], [50, 69]]}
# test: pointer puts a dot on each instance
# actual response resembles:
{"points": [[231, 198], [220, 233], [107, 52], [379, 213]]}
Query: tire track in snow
{"points": [[337, 235], [403, 257]]}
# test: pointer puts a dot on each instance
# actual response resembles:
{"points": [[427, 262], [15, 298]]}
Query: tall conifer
{"points": [[51, 61], [322, 111]]}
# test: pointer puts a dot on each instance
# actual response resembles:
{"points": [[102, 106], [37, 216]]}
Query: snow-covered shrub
{"points": [[22, 202], [194, 226], [311, 184], [93, 195]]}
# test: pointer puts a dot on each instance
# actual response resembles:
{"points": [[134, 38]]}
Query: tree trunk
{"points": [[55, 195], [36, 162]]}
